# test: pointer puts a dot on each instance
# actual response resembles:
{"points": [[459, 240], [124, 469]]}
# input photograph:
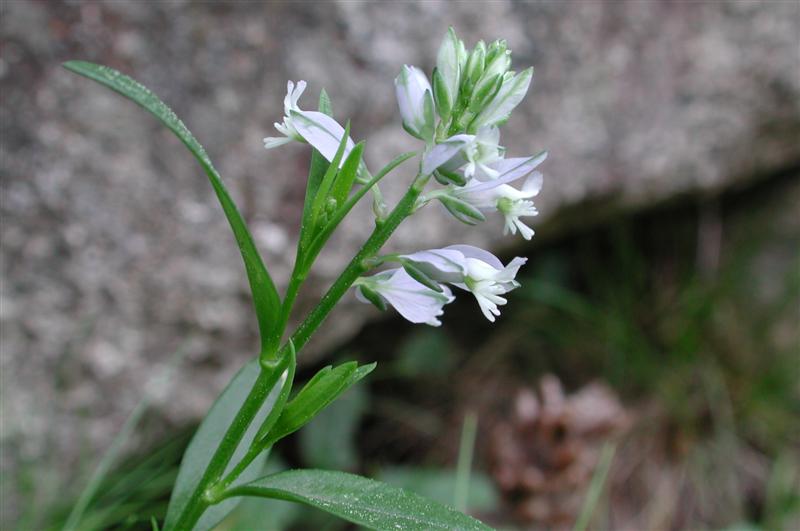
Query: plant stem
{"points": [[267, 378], [219, 461], [356, 267]]}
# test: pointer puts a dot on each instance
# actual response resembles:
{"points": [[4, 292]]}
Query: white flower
{"points": [[498, 195], [514, 204], [481, 153], [470, 155], [411, 299], [472, 269], [446, 152], [510, 94], [317, 128], [415, 99]]}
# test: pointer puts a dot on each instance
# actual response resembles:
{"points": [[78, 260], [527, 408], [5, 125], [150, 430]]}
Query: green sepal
{"points": [[373, 297], [444, 176], [461, 210], [474, 68], [265, 297], [429, 112], [444, 104], [418, 275], [485, 93], [327, 385], [325, 105]]}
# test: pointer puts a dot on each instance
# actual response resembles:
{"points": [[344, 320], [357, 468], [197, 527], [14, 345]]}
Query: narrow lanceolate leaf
{"points": [[347, 175], [209, 436], [327, 181], [265, 296], [319, 166], [327, 385], [359, 500]]}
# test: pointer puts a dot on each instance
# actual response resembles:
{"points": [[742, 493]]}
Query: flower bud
{"points": [[461, 210], [474, 67], [450, 61], [498, 65], [510, 94], [485, 93], [497, 48], [444, 104], [415, 99]]}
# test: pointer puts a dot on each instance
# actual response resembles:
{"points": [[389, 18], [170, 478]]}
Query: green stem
{"points": [[267, 378], [357, 267]]}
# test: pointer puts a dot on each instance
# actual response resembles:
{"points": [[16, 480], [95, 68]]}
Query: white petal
{"points": [[322, 132], [524, 230], [442, 265], [275, 141], [412, 300], [443, 152], [470, 251]]}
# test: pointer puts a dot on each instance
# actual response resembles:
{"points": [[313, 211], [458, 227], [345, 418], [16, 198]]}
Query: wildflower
{"points": [[445, 152], [481, 153], [414, 301], [498, 195], [471, 269], [318, 129], [415, 99]]}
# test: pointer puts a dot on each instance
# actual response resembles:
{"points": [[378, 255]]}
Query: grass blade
{"points": [[110, 457]]}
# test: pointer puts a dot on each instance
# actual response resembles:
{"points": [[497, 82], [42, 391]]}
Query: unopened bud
{"points": [[485, 93], [442, 96], [474, 68], [415, 99]]}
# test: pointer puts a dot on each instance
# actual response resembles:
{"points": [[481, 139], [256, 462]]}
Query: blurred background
{"points": [[645, 376]]}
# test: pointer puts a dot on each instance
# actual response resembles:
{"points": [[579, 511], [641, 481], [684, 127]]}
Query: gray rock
{"points": [[115, 253]]}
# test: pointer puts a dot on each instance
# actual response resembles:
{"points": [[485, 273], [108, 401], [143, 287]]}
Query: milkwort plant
{"points": [[457, 116]]}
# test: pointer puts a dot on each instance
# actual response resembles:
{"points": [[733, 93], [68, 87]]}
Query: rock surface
{"points": [[115, 253]]}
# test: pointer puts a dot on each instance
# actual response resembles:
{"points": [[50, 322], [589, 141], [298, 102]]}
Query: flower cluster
{"points": [[457, 116]]}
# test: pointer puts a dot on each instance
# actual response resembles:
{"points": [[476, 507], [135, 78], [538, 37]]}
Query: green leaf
{"points": [[320, 391], [329, 440], [209, 436], [265, 296], [327, 180], [253, 513], [347, 175], [440, 484], [359, 500], [319, 166]]}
